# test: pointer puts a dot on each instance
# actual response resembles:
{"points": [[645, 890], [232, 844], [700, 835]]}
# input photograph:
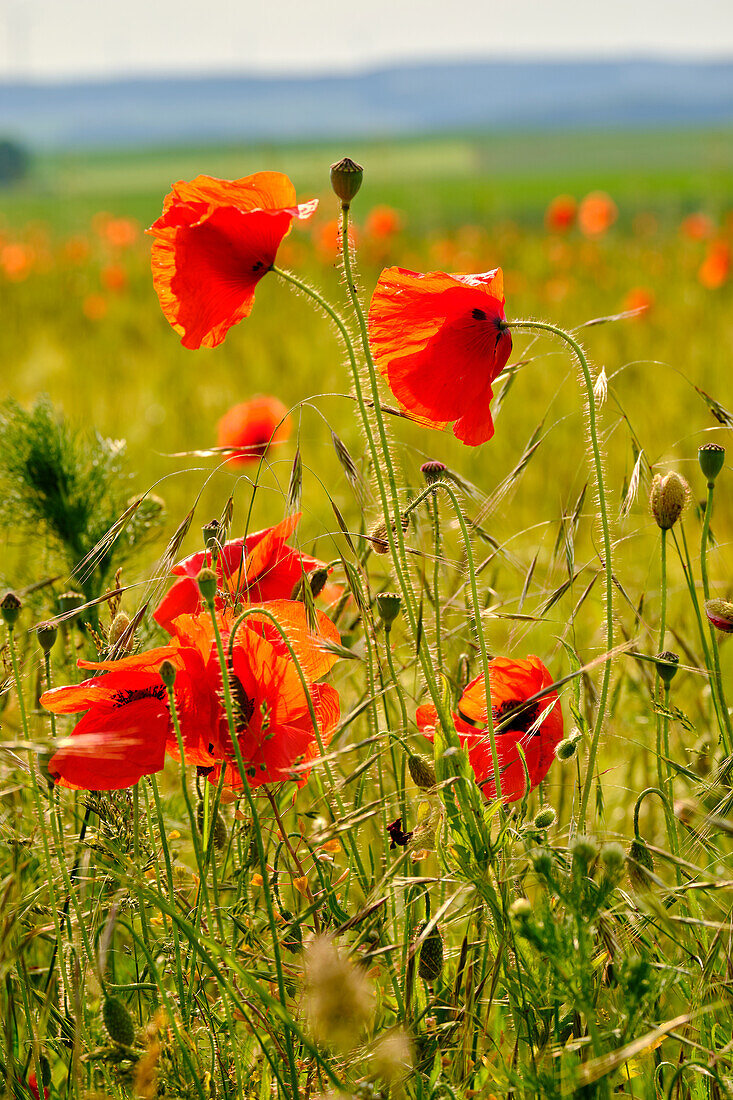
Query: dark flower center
{"points": [[155, 691], [522, 719], [478, 314], [244, 707]]}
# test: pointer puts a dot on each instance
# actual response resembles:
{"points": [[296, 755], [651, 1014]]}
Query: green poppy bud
{"points": [[207, 583]]}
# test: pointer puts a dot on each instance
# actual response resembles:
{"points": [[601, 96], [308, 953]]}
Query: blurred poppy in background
{"points": [[253, 427], [596, 214]]}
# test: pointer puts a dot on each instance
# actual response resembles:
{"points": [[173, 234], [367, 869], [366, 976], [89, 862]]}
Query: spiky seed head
{"points": [[711, 457], [118, 1021], [668, 496], [565, 750], [433, 470], [47, 633], [430, 961], [339, 999], [10, 608], [346, 177], [392, 1058], [422, 771], [584, 850], [69, 601], [720, 615], [389, 605], [520, 909], [167, 672], [613, 858], [541, 860], [378, 535], [667, 666], [640, 862], [118, 626], [207, 583], [545, 818]]}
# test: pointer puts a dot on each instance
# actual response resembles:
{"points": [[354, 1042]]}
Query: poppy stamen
{"points": [[478, 314], [134, 695]]}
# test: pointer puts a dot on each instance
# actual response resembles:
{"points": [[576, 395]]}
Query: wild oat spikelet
{"points": [[339, 999], [392, 1057]]}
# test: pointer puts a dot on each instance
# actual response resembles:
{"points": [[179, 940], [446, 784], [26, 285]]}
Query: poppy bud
{"points": [[667, 666], [430, 962], [720, 614], [119, 625], [668, 496], [640, 862], [711, 458], [584, 850], [378, 535], [565, 750], [545, 818], [47, 634], [316, 580], [346, 177], [207, 583], [433, 470], [118, 1022], [10, 608], [520, 909], [167, 672], [211, 532], [389, 605], [69, 601], [422, 771]]}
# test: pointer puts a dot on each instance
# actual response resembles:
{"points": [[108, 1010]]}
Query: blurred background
{"points": [[585, 148]]}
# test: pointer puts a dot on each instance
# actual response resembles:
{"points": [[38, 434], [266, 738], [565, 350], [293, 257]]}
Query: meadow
{"points": [[298, 942]]}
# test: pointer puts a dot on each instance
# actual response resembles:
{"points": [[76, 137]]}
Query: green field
{"points": [[82, 324]]}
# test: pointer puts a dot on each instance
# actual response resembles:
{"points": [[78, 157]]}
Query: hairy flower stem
{"points": [[543, 326], [170, 883], [437, 551], [257, 833], [727, 732]]}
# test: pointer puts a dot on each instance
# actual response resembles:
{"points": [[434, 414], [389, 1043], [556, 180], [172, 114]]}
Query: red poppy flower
{"points": [[560, 214], [260, 567], [253, 427], [537, 729], [126, 728], [34, 1089], [214, 241], [437, 341]]}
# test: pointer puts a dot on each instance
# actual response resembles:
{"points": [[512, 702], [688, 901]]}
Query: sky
{"points": [[80, 39]]}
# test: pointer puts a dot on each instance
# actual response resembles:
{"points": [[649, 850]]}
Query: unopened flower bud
{"points": [[422, 771], [545, 818], [346, 177], [720, 615], [207, 583], [316, 581], [212, 533], [640, 862], [668, 496], [667, 666], [118, 1022], [430, 962], [565, 750], [47, 634], [389, 605], [10, 608], [520, 909], [711, 457], [433, 470], [167, 673], [119, 625]]}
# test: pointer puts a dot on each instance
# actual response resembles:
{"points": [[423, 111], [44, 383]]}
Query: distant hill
{"points": [[405, 99]]}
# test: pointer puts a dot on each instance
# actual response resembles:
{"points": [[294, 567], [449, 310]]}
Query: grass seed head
{"points": [[339, 999], [667, 499], [118, 1022], [392, 1057], [118, 626], [430, 962]]}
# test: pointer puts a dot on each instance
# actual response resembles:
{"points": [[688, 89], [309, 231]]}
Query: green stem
{"points": [[438, 551], [170, 883], [727, 732], [542, 326]]}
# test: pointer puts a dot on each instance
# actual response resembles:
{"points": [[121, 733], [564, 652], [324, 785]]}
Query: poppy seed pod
{"points": [[69, 601], [667, 666], [389, 605], [47, 634], [668, 496], [422, 771], [118, 1022], [711, 458], [720, 615], [10, 608], [206, 581], [346, 177]]}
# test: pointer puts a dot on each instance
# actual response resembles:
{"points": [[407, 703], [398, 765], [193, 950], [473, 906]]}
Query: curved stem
{"points": [[543, 326], [727, 732]]}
